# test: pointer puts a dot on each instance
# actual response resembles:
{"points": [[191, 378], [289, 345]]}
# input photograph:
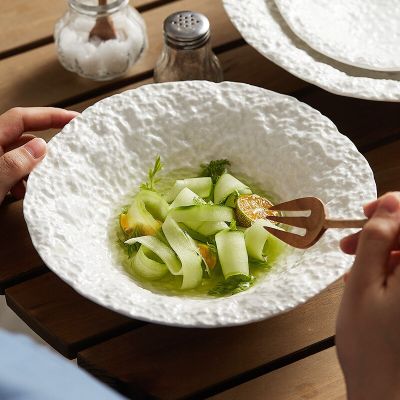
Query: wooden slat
{"points": [[366, 123], [26, 23], [317, 377], [62, 317], [18, 258], [173, 363], [37, 78]]}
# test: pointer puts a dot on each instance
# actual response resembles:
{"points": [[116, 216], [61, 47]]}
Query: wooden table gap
{"points": [[26, 47]]}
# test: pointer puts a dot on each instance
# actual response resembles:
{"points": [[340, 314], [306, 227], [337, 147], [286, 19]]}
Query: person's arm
{"points": [[368, 324], [19, 152], [29, 371]]}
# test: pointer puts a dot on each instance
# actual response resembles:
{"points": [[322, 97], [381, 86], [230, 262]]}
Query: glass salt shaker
{"points": [[187, 53], [100, 40]]}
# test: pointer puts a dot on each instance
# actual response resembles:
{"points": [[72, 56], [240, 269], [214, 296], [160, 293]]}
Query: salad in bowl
{"points": [[204, 236]]}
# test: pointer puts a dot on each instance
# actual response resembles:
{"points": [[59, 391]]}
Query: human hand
{"points": [[20, 153], [368, 324]]}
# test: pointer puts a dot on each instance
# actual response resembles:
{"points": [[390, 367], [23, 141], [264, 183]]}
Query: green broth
{"points": [[169, 284]]}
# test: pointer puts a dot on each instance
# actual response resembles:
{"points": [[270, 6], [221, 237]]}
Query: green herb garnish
{"points": [[232, 285], [152, 180], [124, 209], [215, 169], [259, 264], [129, 249]]}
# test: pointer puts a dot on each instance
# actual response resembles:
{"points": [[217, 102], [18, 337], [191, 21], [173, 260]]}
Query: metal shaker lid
{"points": [[186, 30]]}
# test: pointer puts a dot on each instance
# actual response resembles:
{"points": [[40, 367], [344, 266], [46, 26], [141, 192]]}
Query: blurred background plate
{"points": [[362, 33], [264, 28]]}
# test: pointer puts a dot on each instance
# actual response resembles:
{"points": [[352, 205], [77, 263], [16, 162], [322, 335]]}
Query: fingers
{"points": [[18, 120], [18, 163], [349, 243], [371, 207], [377, 239], [393, 262], [19, 142], [391, 266]]}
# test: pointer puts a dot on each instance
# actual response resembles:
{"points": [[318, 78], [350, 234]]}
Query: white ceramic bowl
{"points": [[281, 144]]}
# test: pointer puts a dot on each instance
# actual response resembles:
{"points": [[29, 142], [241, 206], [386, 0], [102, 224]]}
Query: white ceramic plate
{"points": [[363, 33], [263, 27], [282, 145]]}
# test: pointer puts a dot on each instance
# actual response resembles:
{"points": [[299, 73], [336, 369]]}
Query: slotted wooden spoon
{"points": [[315, 224], [103, 28]]}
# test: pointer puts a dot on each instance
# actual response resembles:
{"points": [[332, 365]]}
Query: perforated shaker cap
{"points": [[186, 30]]}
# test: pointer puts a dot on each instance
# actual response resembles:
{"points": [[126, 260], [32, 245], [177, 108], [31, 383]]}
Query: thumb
{"points": [[377, 239], [17, 163]]}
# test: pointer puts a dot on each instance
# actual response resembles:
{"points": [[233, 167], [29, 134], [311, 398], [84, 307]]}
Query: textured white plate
{"points": [[283, 145], [363, 33], [263, 27]]}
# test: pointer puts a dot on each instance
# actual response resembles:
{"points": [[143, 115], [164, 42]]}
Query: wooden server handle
{"points": [[344, 223]]}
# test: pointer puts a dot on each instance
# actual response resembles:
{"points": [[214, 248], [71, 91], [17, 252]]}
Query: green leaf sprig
{"points": [[129, 249], [151, 179], [232, 225], [215, 169]]}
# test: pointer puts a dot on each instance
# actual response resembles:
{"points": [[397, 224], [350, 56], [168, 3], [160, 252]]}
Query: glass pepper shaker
{"points": [[100, 39], [187, 53]]}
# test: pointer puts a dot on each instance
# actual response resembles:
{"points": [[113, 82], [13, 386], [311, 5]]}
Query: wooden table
{"points": [[291, 356]]}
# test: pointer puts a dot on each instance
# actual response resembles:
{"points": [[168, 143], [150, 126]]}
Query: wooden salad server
{"points": [[315, 224]]}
